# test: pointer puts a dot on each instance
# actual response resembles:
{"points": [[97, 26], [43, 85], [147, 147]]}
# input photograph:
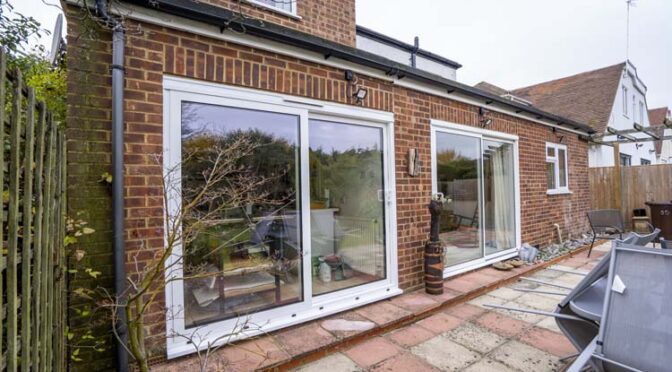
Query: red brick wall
{"points": [[158, 51], [329, 19]]}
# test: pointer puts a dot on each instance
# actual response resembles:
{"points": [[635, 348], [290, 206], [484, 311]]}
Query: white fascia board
{"points": [[204, 29]]}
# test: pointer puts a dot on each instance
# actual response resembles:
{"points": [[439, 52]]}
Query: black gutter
{"points": [[117, 179], [382, 38], [227, 19]]}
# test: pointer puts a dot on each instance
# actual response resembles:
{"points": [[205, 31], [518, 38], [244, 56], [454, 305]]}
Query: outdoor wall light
{"points": [[360, 94], [638, 145], [483, 120]]}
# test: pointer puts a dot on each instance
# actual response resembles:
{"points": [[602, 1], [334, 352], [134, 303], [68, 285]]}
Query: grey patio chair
{"points": [[636, 326], [665, 244], [607, 224], [643, 239]]}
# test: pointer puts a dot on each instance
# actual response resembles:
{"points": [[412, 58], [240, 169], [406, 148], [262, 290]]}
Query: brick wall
{"points": [[330, 19], [157, 51]]}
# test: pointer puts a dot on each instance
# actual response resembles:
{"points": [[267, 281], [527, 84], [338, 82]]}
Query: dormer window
{"points": [[287, 7]]}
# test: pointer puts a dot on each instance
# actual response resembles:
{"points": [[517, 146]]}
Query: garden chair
{"points": [[636, 327], [665, 244], [607, 224]]}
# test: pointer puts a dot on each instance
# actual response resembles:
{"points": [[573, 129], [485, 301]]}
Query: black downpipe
{"points": [[117, 177]]}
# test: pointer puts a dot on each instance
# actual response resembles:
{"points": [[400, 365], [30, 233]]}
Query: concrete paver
{"points": [[467, 336]]}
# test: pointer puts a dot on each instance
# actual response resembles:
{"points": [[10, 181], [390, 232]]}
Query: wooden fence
{"points": [[32, 280], [638, 185]]}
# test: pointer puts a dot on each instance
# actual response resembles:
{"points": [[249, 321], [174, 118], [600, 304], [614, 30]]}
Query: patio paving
{"points": [[468, 336], [419, 332]]}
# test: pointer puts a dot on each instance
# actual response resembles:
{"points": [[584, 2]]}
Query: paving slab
{"points": [[445, 354], [332, 363], [539, 302], [404, 362], [410, 336], [523, 357], [465, 311], [476, 338], [506, 293], [372, 351], [440, 322], [488, 365]]}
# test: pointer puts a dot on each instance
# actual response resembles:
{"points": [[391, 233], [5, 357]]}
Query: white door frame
{"points": [[483, 134], [178, 89]]}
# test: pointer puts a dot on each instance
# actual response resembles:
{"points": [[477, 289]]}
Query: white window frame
{"points": [[641, 113], [556, 161], [178, 89], [624, 91], [482, 134], [291, 12]]}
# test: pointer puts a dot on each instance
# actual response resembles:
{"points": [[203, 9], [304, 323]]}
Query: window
{"points": [[476, 172], [556, 168], [626, 160], [284, 6], [633, 106], [282, 213], [641, 113], [625, 100], [645, 161]]}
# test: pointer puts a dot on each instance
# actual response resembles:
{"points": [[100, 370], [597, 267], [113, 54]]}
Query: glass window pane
{"points": [[550, 175], [550, 152], [241, 239], [499, 196], [347, 211], [458, 175], [562, 167]]}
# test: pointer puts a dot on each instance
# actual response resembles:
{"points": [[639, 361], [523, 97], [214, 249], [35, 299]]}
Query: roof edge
{"points": [[226, 19]]}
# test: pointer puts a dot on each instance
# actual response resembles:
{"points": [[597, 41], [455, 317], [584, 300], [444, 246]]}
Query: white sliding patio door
{"points": [[292, 211], [476, 171]]}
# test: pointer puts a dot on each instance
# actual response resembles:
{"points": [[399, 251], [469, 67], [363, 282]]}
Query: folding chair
{"points": [[635, 331], [606, 223]]}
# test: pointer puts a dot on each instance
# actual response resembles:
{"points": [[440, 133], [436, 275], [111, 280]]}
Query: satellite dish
{"points": [[56, 41]]}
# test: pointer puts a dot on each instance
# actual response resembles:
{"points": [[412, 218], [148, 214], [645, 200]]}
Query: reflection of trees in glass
{"points": [[453, 166], [359, 169], [260, 173]]}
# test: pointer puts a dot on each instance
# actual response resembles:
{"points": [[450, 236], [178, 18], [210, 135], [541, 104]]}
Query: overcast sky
{"points": [[517, 42]]}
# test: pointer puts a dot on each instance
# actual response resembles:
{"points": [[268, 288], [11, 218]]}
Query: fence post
{"points": [[3, 262], [616, 181], [13, 225], [37, 241], [26, 249]]}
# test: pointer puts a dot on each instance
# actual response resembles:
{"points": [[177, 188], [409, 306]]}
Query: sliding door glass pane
{"points": [[499, 196], [241, 240], [458, 172], [347, 212]]}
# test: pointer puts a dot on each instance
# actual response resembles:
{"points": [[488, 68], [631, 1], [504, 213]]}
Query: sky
{"points": [[514, 43]]}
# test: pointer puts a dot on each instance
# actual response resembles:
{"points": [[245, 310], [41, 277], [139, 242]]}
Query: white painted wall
{"points": [[404, 56], [603, 156], [666, 151]]}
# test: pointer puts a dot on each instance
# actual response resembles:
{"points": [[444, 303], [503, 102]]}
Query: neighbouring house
{"points": [[357, 132], [612, 96], [658, 117]]}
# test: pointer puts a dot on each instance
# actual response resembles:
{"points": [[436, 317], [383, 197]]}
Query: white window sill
{"points": [[558, 192], [274, 9]]}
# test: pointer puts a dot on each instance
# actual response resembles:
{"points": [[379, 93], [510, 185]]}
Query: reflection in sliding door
{"points": [[458, 160], [347, 213], [498, 189], [241, 242]]}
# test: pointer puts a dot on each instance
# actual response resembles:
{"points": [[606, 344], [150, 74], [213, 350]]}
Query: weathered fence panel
{"points": [[32, 270], [639, 184]]}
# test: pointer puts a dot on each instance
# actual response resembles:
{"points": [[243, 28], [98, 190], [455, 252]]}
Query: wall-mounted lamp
{"points": [[638, 145], [360, 94], [485, 121]]}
